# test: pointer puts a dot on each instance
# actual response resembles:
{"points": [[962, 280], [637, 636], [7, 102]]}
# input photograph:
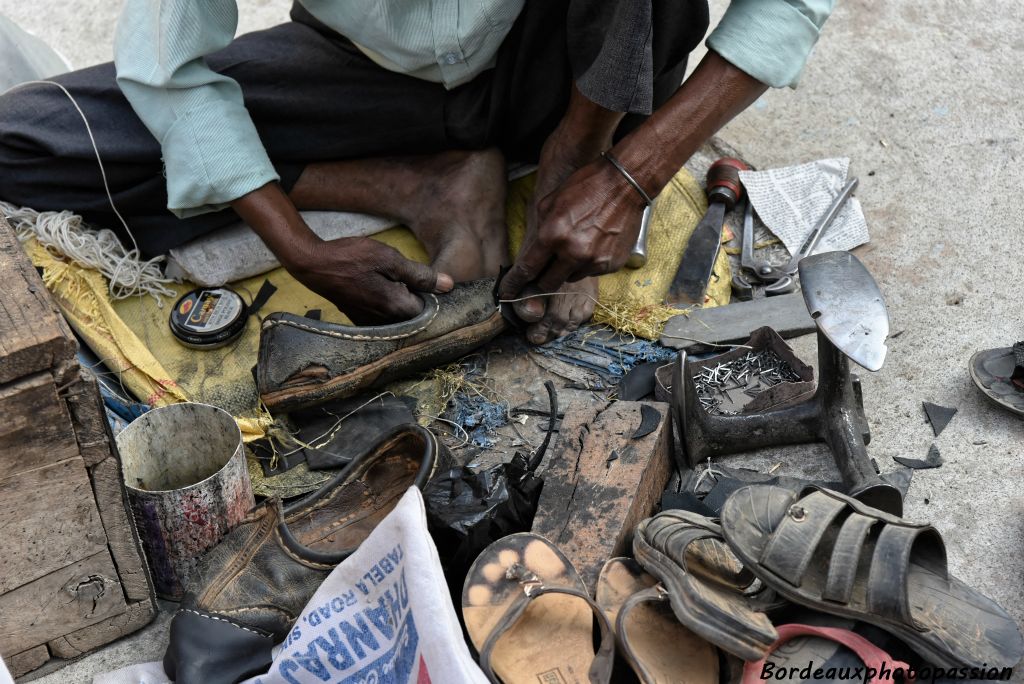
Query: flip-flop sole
{"points": [[553, 640], [664, 650], [995, 388]]}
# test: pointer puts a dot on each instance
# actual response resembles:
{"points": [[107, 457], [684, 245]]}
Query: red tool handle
{"points": [[724, 182]]}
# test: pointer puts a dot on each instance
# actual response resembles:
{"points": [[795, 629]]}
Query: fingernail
{"points": [[444, 283]]}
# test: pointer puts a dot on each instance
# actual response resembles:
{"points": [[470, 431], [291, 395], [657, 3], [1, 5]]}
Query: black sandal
{"points": [[832, 553]]}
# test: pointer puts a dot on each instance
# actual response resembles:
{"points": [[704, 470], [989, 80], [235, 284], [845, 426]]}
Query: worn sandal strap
{"points": [[673, 536], [842, 567], [895, 547], [872, 656], [794, 542], [604, 659], [655, 594]]}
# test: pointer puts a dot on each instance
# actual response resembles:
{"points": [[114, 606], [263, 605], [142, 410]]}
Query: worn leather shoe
{"points": [[250, 588], [304, 361]]}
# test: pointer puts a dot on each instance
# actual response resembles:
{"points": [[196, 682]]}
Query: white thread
{"points": [[67, 234], [220, 619], [271, 322]]}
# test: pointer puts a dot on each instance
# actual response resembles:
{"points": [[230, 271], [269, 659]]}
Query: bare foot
{"points": [[563, 313], [453, 201], [458, 212]]}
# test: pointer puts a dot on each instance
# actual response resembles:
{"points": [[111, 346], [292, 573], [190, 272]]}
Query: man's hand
{"points": [[369, 282], [588, 227], [589, 224]]}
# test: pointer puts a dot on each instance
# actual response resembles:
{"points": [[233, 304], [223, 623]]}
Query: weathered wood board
{"points": [[33, 336], [73, 597], [35, 428], [48, 519], [601, 481], [72, 577]]}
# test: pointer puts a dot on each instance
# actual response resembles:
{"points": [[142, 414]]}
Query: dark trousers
{"points": [[315, 97]]}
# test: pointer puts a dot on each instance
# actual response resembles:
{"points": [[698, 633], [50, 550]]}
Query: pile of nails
{"points": [[749, 375]]}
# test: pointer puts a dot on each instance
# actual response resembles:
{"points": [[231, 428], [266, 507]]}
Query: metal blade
{"points": [[691, 281], [846, 304]]}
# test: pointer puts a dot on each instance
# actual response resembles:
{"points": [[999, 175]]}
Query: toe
{"points": [[539, 333]]}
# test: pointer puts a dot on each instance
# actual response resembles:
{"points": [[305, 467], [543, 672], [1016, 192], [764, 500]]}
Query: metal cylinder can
{"points": [[188, 486]]}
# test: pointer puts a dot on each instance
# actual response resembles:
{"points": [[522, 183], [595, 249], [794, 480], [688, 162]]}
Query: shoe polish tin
{"points": [[208, 317]]}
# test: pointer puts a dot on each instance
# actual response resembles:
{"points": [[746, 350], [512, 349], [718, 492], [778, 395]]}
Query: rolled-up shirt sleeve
{"points": [[770, 39], [212, 152]]}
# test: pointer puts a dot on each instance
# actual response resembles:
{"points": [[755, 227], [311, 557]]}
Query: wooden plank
{"points": [[26, 661], [35, 429], [33, 335], [81, 594], [48, 520], [701, 328], [88, 417], [122, 537], [136, 616], [601, 482]]}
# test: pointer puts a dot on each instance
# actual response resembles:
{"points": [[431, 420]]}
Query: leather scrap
{"points": [[938, 416], [650, 418], [932, 460]]}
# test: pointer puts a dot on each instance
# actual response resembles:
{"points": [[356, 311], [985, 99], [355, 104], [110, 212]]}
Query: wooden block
{"points": [[122, 536], [63, 601], [73, 645], [33, 335], [26, 661], [600, 482], [786, 314], [49, 520], [35, 430]]}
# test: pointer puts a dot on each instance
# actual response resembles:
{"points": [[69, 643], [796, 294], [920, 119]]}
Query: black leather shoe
{"points": [[304, 361], [250, 588]]}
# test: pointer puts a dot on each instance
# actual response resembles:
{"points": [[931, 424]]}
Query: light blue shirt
{"points": [[212, 152]]}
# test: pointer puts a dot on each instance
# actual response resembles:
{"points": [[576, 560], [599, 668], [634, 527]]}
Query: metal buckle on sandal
{"points": [[797, 513], [526, 577]]}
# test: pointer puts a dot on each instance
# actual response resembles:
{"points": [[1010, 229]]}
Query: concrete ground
{"points": [[922, 95]]}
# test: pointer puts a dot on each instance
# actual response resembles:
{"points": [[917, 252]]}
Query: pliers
{"points": [[758, 279], [777, 280]]}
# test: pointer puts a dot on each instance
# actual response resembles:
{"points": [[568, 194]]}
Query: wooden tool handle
{"points": [[724, 182]]}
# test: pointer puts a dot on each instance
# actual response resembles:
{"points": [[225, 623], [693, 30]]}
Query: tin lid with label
{"points": [[208, 317]]}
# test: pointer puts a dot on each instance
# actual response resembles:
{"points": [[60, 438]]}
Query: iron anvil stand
{"points": [[847, 306]]}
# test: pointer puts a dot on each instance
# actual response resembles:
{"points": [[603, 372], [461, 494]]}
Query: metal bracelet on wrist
{"points": [[625, 174]]}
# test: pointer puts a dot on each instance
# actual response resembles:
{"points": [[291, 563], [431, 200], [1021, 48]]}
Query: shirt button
{"points": [[451, 58]]}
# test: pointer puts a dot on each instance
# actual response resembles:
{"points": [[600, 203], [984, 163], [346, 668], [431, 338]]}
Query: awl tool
{"points": [[698, 263], [638, 255]]}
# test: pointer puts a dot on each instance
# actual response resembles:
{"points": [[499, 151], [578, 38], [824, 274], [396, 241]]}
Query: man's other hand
{"points": [[586, 227], [368, 281]]}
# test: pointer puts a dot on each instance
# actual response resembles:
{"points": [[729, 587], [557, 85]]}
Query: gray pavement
{"points": [[923, 97]]}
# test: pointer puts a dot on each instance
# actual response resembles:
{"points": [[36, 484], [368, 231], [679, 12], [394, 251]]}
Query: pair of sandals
{"points": [[529, 615]]}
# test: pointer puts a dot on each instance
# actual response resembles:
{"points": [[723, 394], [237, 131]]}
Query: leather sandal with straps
{"points": [[529, 616], [708, 588], [832, 553], [654, 643]]}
